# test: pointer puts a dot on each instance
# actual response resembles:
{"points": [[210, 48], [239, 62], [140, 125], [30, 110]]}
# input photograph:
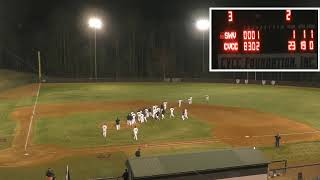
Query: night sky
{"points": [[147, 33]]}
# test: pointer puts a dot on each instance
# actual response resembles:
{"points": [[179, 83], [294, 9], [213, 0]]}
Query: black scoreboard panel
{"points": [[264, 39]]}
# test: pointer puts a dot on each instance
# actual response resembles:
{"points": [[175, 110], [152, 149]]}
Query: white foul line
{"points": [[31, 118]]}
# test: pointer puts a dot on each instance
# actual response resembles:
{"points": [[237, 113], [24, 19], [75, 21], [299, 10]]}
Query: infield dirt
{"points": [[234, 126]]}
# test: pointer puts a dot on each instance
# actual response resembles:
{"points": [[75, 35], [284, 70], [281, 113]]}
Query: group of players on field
{"points": [[155, 112]]}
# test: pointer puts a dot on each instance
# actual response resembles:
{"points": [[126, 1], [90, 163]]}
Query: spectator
{"points": [[138, 153], [277, 138], [50, 174], [125, 175]]}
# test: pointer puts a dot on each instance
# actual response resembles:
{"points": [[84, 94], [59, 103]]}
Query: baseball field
{"points": [[66, 126]]}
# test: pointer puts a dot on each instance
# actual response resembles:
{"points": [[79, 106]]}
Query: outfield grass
{"points": [[295, 153], [300, 104], [84, 130], [112, 164], [10, 79], [81, 168], [8, 125]]}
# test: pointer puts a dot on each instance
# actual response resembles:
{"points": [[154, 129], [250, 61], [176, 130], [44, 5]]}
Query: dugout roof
{"points": [[195, 162]]}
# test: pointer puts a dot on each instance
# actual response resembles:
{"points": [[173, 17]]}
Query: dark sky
{"points": [[19, 13]]}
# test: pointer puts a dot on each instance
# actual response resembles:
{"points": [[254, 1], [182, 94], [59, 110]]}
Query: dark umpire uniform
{"points": [[50, 174], [277, 139]]}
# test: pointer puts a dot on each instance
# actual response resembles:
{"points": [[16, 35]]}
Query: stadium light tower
{"points": [[203, 26], [95, 23]]}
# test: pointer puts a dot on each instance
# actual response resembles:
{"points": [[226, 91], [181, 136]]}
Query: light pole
{"points": [[202, 25], [95, 23]]}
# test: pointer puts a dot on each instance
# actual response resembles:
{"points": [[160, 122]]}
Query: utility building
{"points": [[239, 164]]}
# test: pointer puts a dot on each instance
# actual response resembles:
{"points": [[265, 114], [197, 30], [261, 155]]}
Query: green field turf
{"points": [[81, 168], [300, 104], [79, 130], [10, 80], [84, 130]]}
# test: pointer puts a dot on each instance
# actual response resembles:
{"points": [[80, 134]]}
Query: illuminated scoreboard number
{"points": [[264, 39]]}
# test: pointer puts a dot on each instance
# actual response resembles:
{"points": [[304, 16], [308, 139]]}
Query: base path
{"points": [[237, 127]]}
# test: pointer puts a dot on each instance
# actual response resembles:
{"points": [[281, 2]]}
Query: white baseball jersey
{"points": [[165, 105], [104, 127], [135, 130]]}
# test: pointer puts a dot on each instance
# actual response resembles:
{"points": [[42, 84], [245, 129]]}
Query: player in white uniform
{"points": [[207, 98], [185, 113], [162, 111], [135, 133], [165, 105], [157, 114], [139, 116], [179, 101], [133, 118], [104, 130], [171, 112], [190, 100], [182, 116], [146, 111], [154, 111]]}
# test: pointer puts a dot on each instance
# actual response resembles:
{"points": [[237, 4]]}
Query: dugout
{"points": [[238, 164]]}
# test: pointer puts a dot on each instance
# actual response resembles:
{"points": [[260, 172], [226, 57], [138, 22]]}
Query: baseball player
{"points": [[165, 105], [139, 116], [171, 112], [162, 106], [162, 113], [154, 111], [150, 112], [182, 116], [135, 133], [104, 130], [158, 115], [190, 100], [146, 113], [179, 101], [118, 124], [128, 120], [207, 98], [185, 113], [133, 118]]}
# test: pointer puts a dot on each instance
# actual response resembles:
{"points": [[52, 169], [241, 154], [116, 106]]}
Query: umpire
{"points": [[277, 139]]}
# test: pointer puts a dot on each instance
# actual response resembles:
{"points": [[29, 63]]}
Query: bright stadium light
{"points": [[202, 24], [95, 23]]}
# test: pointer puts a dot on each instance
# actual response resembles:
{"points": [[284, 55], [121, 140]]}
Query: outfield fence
{"points": [[173, 80]]}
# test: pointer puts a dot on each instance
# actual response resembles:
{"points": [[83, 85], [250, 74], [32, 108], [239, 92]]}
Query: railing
{"points": [[107, 178], [301, 172]]}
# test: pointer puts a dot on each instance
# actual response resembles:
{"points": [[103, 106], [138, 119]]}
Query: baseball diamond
{"points": [[159, 89], [68, 118]]}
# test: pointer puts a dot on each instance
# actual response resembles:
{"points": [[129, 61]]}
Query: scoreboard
{"points": [[264, 39]]}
